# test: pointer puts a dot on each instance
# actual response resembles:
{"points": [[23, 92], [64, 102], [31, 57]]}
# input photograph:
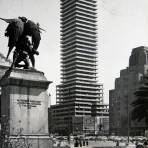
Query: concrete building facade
{"points": [[121, 97], [79, 55], [79, 90]]}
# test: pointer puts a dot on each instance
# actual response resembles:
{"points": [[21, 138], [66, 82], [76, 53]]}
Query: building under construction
{"points": [[79, 96]]}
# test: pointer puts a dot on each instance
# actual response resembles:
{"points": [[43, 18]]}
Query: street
{"points": [[94, 144]]}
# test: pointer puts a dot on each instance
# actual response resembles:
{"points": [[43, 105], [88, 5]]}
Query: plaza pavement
{"points": [[95, 144], [104, 144]]}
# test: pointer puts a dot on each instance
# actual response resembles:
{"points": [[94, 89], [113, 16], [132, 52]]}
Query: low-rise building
{"points": [[63, 119]]}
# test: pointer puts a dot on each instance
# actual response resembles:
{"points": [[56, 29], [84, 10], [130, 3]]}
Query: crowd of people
{"points": [[78, 142], [144, 145]]}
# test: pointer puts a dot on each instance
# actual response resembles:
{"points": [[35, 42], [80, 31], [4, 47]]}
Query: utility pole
{"points": [[128, 132], [69, 122], [83, 121], [94, 126]]}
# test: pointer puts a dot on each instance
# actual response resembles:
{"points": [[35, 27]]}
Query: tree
{"points": [[4, 134], [6, 141], [140, 110]]}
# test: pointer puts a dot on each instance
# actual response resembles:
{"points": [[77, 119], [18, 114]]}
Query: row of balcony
{"points": [[80, 93], [81, 74], [80, 41], [82, 97], [68, 7], [80, 37], [79, 62], [85, 96], [78, 32], [80, 66], [83, 16], [78, 70], [66, 3], [67, 86], [82, 77], [72, 106], [71, 65], [77, 29], [79, 57], [75, 18], [79, 53], [79, 45], [65, 112], [69, 82], [98, 92], [88, 2], [81, 48], [80, 82], [76, 24], [78, 12], [80, 4], [73, 11], [89, 88]]}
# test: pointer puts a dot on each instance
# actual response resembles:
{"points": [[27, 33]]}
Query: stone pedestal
{"points": [[24, 100]]}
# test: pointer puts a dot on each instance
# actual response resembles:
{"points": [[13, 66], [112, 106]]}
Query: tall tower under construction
{"points": [[79, 90], [79, 53]]}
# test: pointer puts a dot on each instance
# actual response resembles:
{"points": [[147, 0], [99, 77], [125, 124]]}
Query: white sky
{"points": [[122, 25]]}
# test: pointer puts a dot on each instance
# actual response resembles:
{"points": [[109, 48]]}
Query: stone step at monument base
{"points": [[31, 141]]}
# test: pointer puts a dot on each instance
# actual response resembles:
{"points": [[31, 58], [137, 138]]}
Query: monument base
{"points": [[24, 101]]}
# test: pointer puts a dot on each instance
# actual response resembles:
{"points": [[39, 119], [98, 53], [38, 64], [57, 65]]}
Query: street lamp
{"points": [[127, 103], [128, 129], [69, 122], [83, 121]]}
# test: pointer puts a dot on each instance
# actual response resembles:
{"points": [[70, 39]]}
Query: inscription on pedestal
{"points": [[28, 103]]}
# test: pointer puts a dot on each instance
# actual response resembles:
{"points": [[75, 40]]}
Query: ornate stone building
{"points": [[121, 97]]}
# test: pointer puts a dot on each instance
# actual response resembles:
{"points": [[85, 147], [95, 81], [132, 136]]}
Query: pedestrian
{"points": [[87, 142], [139, 146], [136, 143], [80, 142], [83, 142], [76, 143], [145, 144], [68, 139], [117, 143]]}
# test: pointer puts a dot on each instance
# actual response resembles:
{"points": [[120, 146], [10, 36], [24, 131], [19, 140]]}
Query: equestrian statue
{"points": [[24, 37]]}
